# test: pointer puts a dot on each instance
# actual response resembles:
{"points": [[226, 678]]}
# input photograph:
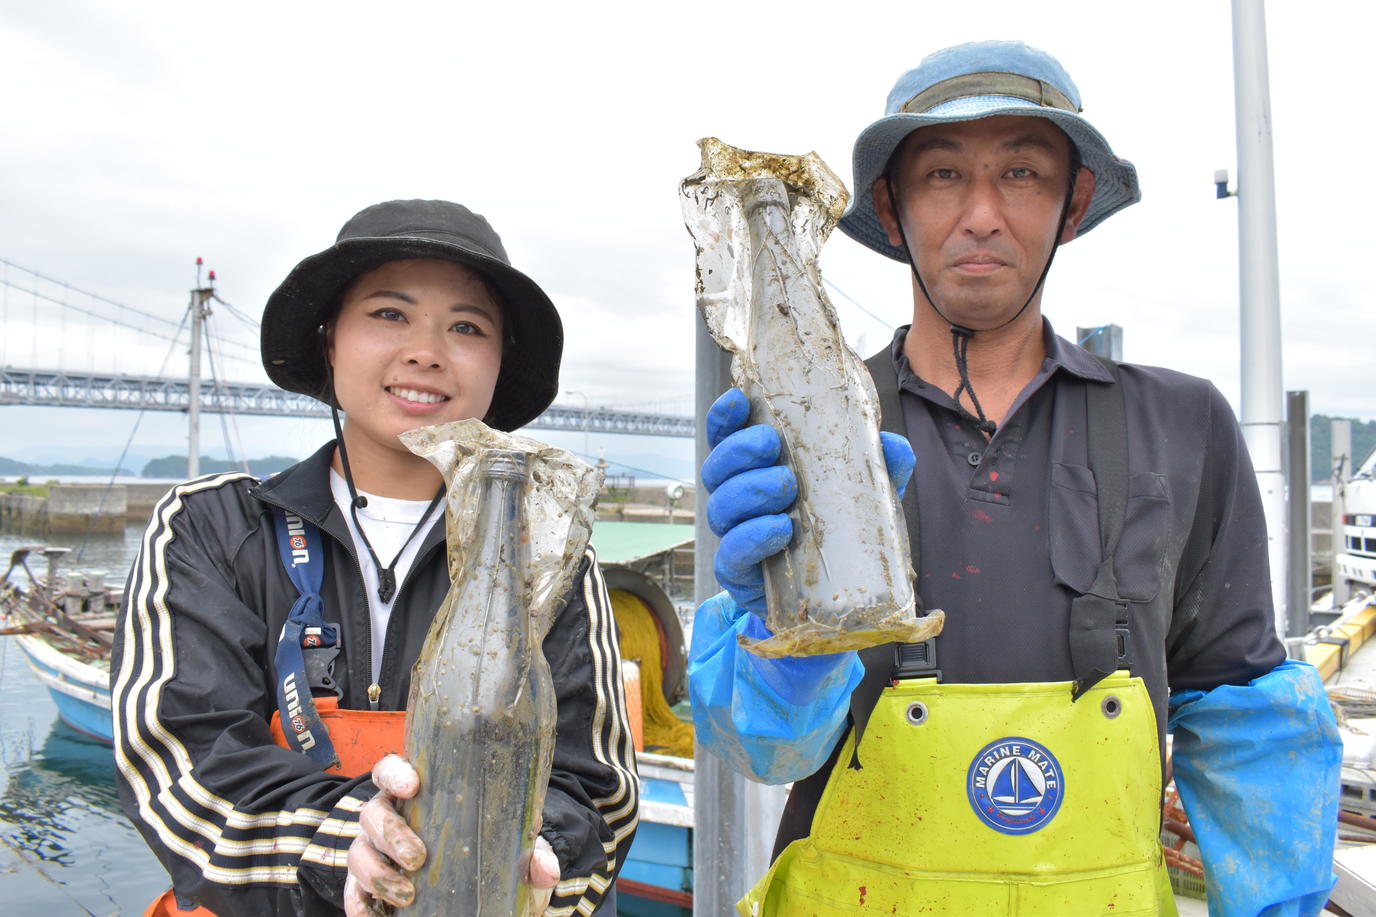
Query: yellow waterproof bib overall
{"points": [[984, 800]]}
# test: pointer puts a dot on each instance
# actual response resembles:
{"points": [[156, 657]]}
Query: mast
{"points": [[1263, 397]]}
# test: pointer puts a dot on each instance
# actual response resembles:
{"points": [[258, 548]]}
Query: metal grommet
{"points": [[1111, 706], [917, 713]]}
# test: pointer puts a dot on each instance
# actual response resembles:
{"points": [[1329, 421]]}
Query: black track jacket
{"points": [[246, 827]]}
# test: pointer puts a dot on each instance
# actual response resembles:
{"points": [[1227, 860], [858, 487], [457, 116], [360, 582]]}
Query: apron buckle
{"points": [[915, 660]]}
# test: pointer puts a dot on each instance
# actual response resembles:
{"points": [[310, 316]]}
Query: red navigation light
{"points": [[198, 261], [212, 276]]}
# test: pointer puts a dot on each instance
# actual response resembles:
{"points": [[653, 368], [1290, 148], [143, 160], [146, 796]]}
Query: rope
{"points": [[665, 733]]}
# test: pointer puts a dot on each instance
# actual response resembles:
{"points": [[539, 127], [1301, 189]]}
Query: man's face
{"points": [[415, 342], [980, 202]]}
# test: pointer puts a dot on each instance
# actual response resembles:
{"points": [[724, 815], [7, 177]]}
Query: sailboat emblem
{"points": [[1015, 785]]}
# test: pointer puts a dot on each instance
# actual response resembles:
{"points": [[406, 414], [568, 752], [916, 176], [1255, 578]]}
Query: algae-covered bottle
{"points": [[478, 722], [845, 580]]}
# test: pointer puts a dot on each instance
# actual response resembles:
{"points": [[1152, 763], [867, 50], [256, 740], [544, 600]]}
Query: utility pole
{"points": [[587, 455], [199, 310], [1263, 397], [1342, 471], [1301, 545]]}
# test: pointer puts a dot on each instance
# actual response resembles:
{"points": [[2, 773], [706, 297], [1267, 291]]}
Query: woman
{"points": [[413, 317]]}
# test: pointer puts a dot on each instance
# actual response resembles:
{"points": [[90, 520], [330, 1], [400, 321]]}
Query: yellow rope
{"points": [[665, 733]]}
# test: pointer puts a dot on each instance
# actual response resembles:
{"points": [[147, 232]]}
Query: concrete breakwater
{"points": [[78, 509]]}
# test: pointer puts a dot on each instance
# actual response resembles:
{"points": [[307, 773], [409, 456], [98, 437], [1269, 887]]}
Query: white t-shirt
{"points": [[388, 523]]}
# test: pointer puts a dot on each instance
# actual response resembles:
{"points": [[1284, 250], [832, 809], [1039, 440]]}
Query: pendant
{"points": [[386, 585]]}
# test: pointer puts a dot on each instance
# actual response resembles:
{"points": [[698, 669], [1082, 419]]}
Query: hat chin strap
{"points": [[962, 335], [386, 576]]}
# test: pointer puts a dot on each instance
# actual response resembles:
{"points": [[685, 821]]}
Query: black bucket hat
{"points": [[293, 353]]}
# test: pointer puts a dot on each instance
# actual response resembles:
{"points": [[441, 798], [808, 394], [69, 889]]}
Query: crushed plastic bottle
{"points": [[481, 714], [759, 221]]}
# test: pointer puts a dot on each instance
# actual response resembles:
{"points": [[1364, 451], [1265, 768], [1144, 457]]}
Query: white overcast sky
{"points": [[138, 136]]}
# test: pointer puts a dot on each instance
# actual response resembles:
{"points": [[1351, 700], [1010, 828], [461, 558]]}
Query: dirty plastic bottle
{"points": [[759, 220], [479, 727]]}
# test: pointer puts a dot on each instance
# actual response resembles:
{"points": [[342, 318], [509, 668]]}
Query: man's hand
{"points": [[385, 842], [751, 494]]}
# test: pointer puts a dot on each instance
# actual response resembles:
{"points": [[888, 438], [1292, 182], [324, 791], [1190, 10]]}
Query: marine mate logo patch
{"points": [[1015, 785]]}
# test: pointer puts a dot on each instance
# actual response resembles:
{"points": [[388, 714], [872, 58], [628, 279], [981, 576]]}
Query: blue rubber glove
{"points": [[751, 494], [1257, 767], [773, 720]]}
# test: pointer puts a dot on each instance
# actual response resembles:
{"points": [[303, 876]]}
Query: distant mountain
{"points": [[13, 467], [174, 466], [1321, 445]]}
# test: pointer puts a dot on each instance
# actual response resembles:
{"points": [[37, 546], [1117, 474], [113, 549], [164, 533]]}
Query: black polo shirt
{"points": [[1009, 535], [1010, 529]]}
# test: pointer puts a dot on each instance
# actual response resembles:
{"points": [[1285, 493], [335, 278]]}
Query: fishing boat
{"points": [[63, 624], [644, 564], [64, 627]]}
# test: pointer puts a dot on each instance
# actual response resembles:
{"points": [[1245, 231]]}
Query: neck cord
{"points": [[960, 334], [386, 576]]}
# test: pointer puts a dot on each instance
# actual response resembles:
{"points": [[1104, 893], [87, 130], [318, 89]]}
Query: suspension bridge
{"points": [[62, 313]]}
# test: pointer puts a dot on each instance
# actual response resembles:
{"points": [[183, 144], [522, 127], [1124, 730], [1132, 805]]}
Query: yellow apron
{"points": [[984, 800]]}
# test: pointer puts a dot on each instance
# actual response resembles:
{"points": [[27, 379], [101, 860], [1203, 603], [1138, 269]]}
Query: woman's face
{"points": [[415, 342]]}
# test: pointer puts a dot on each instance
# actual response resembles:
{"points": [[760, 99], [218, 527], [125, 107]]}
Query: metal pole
{"points": [[193, 385], [1341, 473], [1262, 394], [718, 791], [1301, 546], [734, 819]]}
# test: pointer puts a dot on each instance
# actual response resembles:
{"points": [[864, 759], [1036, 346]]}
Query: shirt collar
{"points": [[1060, 354]]}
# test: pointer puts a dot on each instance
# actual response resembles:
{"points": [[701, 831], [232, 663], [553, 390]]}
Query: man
{"points": [[1094, 535]]}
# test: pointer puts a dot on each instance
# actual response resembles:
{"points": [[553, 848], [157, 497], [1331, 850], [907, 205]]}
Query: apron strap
{"points": [[883, 660], [1099, 618], [1099, 643]]}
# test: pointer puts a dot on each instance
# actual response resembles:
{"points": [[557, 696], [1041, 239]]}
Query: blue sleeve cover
{"points": [[774, 720], [1257, 769]]}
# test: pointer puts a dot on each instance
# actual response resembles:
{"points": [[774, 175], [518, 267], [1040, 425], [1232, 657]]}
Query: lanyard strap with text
{"points": [[302, 551]]}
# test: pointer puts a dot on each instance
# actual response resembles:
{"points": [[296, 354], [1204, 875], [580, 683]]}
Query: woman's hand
{"points": [[385, 839], [542, 876]]}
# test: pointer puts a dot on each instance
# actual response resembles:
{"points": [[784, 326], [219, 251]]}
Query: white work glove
{"points": [[383, 835]]}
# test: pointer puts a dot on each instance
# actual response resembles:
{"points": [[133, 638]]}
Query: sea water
{"points": [[65, 846]]}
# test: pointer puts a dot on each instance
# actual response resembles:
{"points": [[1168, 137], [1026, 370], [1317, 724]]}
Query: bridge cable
{"points": [[119, 463], [237, 313], [223, 390], [856, 303], [95, 296], [255, 361]]}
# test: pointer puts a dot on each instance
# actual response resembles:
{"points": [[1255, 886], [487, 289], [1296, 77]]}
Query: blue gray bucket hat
{"points": [[979, 80]]}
